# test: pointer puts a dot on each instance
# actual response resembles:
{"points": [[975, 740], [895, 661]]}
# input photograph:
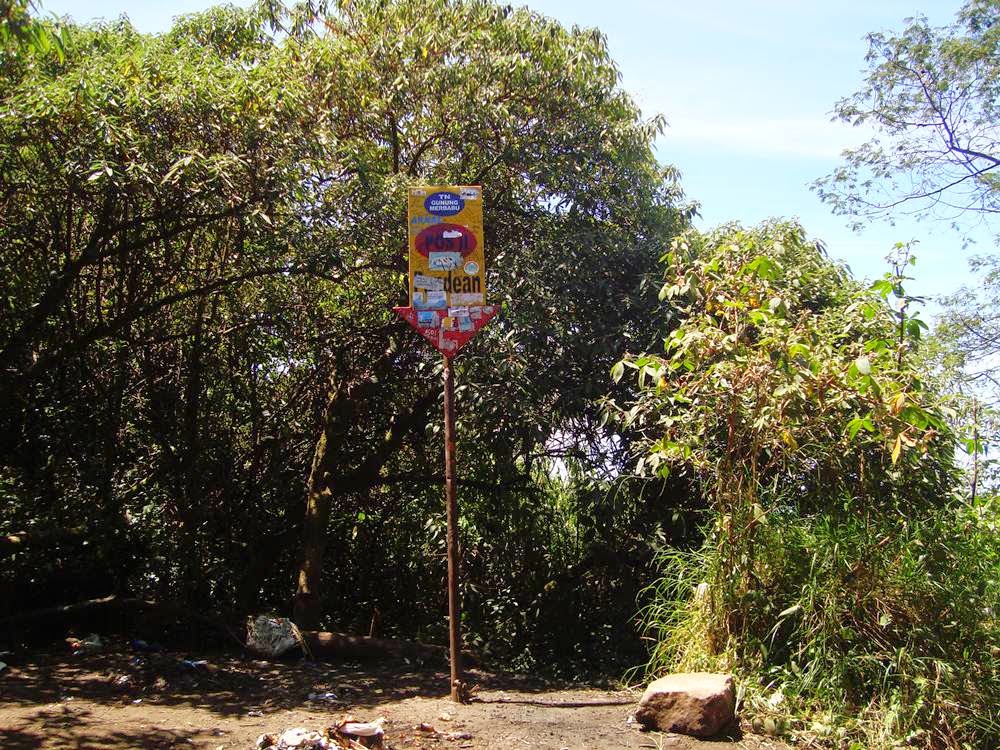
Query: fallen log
{"points": [[363, 647], [53, 618], [322, 645]]}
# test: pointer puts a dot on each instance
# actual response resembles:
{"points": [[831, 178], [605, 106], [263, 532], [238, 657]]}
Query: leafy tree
{"points": [[931, 98], [960, 356], [782, 372], [463, 93], [202, 239], [140, 181]]}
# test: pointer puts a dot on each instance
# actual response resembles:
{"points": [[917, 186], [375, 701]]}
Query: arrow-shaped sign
{"points": [[447, 266], [450, 333]]}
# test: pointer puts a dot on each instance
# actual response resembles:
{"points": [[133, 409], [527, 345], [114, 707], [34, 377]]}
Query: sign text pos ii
{"points": [[447, 265]]}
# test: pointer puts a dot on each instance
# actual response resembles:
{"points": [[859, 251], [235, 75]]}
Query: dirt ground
{"points": [[120, 699]]}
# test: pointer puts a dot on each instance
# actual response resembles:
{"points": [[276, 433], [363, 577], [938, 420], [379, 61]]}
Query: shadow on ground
{"points": [[228, 685], [120, 699]]}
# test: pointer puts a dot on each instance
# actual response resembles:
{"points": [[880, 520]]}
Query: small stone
{"points": [[700, 704]]}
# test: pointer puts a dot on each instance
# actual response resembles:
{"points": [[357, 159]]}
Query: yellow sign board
{"points": [[447, 262]]}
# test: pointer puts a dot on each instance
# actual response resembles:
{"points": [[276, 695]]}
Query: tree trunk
{"points": [[307, 607], [337, 472]]}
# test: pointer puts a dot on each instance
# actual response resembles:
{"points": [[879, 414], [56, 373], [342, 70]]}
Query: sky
{"points": [[747, 89]]}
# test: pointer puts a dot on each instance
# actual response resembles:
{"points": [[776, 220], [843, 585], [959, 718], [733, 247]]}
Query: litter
{"points": [[362, 729], [302, 738], [348, 734], [273, 636], [354, 734], [89, 645], [323, 697], [439, 735]]}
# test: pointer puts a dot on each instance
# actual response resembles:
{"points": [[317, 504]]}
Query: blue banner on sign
{"points": [[444, 204]]}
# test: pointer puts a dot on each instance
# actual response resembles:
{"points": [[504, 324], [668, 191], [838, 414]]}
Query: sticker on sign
{"points": [[444, 261], [420, 281]]}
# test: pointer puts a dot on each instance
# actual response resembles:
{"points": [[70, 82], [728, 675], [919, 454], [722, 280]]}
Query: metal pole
{"points": [[454, 605]]}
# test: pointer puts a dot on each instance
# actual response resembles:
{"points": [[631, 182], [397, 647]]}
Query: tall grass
{"points": [[856, 630]]}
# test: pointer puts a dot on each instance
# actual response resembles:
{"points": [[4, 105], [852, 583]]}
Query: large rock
{"points": [[700, 704]]}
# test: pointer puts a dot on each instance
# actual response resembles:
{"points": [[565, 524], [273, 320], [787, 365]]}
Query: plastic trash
{"points": [[322, 697], [89, 645], [346, 734], [297, 738], [439, 735], [271, 636], [302, 739], [362, 729], [366, 734]]}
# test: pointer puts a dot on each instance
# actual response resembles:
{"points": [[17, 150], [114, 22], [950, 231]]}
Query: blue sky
{"points": [[747, 88]]}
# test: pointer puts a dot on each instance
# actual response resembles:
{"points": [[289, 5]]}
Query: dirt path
{"points": [[157, 701]]}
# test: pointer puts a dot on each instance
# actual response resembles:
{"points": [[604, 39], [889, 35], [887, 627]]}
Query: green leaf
{"points": [[914, 326], [859, 423], [883, 287], [765, 268]]}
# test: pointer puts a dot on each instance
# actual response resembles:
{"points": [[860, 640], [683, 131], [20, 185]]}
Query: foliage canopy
{"points": [[931, 97], [201, 244]]}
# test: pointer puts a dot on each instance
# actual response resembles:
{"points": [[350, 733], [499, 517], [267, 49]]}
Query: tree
{"points": [[140, 182], [932, 97], [201, 241], [785, 378], [470, 92]]}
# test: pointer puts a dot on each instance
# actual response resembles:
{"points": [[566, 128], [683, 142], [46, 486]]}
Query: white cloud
{"points": [[796, 137]]}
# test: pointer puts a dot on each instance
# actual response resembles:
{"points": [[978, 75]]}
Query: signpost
{"points": [[447, 266], [448, 307]]}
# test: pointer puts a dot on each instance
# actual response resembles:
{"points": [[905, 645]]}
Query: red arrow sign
{"points": [[448, 330]]}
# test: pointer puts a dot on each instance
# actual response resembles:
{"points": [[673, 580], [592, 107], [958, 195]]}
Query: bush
{"points": [[840, 577], [862, 627]]}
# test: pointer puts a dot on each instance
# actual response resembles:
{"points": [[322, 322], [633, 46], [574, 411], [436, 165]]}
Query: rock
{"points": [[700, 704]]}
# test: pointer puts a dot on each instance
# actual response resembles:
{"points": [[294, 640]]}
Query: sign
{"points": [[445, 241], [447, 265], [447, 333]]}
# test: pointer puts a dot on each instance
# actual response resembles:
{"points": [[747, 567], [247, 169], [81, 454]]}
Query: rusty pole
{"points": [[454, 605]]}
